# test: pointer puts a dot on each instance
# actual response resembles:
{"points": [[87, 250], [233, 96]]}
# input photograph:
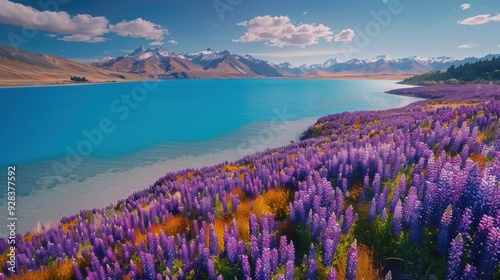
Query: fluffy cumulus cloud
{"points": [[78, 28], [345, 36], [139, 28], [479, 19], [279, 31], [84, 27], [468, 46], [465, 6]]}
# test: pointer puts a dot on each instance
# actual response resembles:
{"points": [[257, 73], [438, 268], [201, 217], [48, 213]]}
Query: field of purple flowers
{"points": [[417, 187]]}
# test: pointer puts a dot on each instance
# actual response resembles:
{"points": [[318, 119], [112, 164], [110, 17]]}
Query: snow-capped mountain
{"points": [[380, 65], [209, 63], [160, 63]]}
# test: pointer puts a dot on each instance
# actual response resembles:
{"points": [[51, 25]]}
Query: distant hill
{"points": [[162, 64], [482, 71], [21, 67]]}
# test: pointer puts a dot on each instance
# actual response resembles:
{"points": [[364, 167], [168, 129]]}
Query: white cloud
{"points": [[78, 28], [468, 46], [304, 13], [82, 38], [465, 6], [173, 42], [81, 25], [479, 19], [346, 36], [243, 23], [280, 32], [139, 28], [156, 43]]}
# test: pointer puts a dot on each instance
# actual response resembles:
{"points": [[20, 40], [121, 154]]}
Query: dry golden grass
{"points": [[366, 269], [53, 272], [177, 224], [480, 159], [232, 168], [278, 200], [69, 224], [273, 201], [357, 125]]}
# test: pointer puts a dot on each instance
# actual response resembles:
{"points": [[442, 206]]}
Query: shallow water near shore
{"points": [[88, 146]]}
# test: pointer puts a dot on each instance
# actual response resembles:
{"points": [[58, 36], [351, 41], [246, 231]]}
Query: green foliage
{"points": [[177, 265], [78, 79], [88, 216], [301, 241], [222, 267]]}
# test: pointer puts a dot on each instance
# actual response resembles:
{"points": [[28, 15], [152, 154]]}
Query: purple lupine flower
{"points": [[491, 254], [312, 271], [289, 270], [382, 200], [415, 229], [234, 228], [291, 252], [352, 262], [312, 253], [254, 225], [469, 273], [148, 267], [373, 211], [264, 224], [211, 269], [455, 258], [332, 274], [231, 247], [213, 240], [134, 271], [348, 219], [443, 234], [328, 252], [283, 250], [234, 203], [464, 225], [376, 183], [383, 216], [274, 259], [77, 272], [254, 248], [265, 272], [397, 219], [245, 267]]}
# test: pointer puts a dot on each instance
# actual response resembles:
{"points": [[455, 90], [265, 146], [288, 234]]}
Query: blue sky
{"points": [[276, 30]]}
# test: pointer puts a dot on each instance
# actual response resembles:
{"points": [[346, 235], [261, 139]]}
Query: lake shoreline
{"points": [[28, 84]]}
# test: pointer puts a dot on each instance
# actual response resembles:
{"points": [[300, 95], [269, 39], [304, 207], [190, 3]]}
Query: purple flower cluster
{"points": [[419, 169]]}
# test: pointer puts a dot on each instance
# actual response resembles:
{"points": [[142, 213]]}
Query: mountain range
{"points": [[19, 67], [162, 64]]}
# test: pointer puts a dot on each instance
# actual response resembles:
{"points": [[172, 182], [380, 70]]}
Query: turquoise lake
{"points": [[86, 146]]}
